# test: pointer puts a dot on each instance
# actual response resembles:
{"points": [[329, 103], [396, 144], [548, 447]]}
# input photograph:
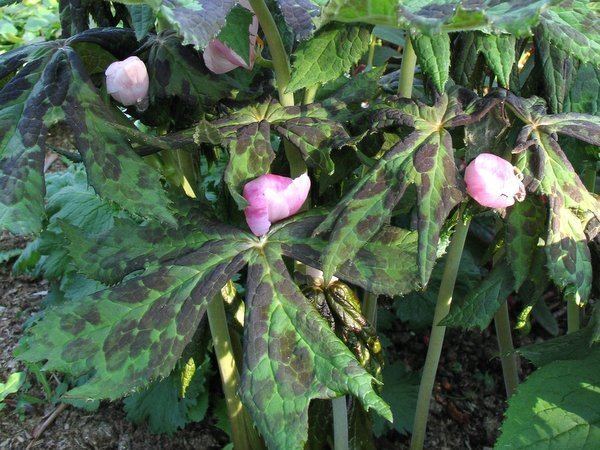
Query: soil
{"points": [[466, 413]]}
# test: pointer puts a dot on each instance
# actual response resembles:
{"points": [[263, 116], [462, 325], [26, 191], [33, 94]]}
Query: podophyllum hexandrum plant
{"points": [[372, 155]]}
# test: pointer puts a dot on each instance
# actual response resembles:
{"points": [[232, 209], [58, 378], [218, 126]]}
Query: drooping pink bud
{"points": [[127, 81], [221, 59], [273, 197], [493, 182]]}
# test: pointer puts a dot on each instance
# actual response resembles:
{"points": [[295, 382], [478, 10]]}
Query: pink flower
{"points": [[127, 81], [221, 59], [492, 182], [272, 198]]}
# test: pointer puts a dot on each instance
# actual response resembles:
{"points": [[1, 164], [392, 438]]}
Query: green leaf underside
{"points": [[299, 15], [162, 406], [500, 55], [53, 87], [479, 307], [292, 356], [525, 225], [433, 53], [235, 32], [556, 407], [434, 16], [134, 332], [197, 21], [330, 53], [384, 265], [425, 158]]}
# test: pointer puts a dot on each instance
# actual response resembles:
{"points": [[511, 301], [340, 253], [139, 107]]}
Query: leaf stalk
{"points": [[436, 339], [407, 70], [243, 433], [340, 423], [510, 368]]}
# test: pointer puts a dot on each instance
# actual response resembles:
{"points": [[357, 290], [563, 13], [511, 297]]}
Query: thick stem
{"points": [[436, 338], [340, 423], [407, 70], [243, 434], [281, 62], [573, 316], [510, 368], [371, 56], [309, 94]]}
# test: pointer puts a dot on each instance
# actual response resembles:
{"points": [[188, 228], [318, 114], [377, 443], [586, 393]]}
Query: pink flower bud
{"points": [[493, 182], [127, 81], [272, 198], [221, 59]]}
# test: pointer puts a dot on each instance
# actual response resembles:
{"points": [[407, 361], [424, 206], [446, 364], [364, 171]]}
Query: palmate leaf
{"points": [[573, 26], [434, 16], [129, 334], [556, 407], [53, 86], [247, 133], [425, 158], [292, 356], [571, 205], [330, 53]]}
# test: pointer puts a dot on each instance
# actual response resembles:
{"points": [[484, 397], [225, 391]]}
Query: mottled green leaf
{"points": [[500, 54], [300, 16], [464, 54], [434, 16], [250, 156], [573, 26], [292, 356], [54, 86], [479, 307], [134, 332], [433, 54], [308, 127], [569, 259], [178, 76], [384, 265], [425, 158], [525, 225], [330, 53], [584, 95], [556, 407]]}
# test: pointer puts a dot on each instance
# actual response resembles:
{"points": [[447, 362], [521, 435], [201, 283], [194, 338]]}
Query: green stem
{"points": [[407, 70], [436, 338], [573, 316], [340, 423], [279, 57], [370, 308], [243, 433], [371, 56], [310, 93], [510, 368]]}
